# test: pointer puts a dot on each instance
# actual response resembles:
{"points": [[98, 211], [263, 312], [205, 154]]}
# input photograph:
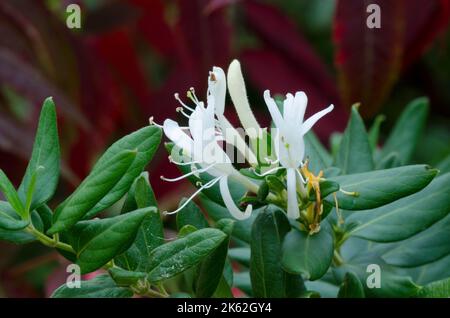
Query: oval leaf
{"points": [[46, 154], [175, 257], [308, 255], [405, 217], [96, 242], [376, 188], [101, 286], [267, 275], [91, 191]]}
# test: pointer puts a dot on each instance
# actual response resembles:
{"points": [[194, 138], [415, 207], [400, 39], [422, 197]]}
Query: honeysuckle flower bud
{"points": [[238, 93], [217, 90], [202, 147], [288, 140]]}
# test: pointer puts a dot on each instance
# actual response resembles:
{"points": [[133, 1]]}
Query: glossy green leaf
{"points": [[124, 277], [210, 271], [46, 215], [405, 217], [45, 157], [390, 161], [177, 256], [145, 141], [308, 255], [425, 247], [319, 158], [376, 188], [91, 191], [374, 131], [9, 219], [150, 234], [11, 195], [101, 286], [351, 287], [96, 242], [407, 131], [22, 236], [439, 289], [241, 230], [266, 273], [355, 153], [391, 284], [192, 215]]}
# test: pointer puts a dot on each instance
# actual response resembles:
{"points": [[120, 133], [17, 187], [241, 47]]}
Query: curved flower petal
{"points": [[292, 210], [307, 125], [273, 109], [178, 136], [217, 88], [238, 93], [300, 101], [229, 203]]}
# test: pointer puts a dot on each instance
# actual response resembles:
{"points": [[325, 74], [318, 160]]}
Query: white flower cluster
{"points": [[201, 141]]}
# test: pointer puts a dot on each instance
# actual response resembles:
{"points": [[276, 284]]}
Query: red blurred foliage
{"points": [[369, 61]]}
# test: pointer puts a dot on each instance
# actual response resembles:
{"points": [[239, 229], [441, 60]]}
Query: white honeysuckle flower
{"points": [[202, 146], [238, 93], [288, 140], [217, 88]]}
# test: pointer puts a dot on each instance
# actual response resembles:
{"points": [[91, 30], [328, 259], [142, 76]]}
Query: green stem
{"points": [[337, 258], [44, 239]]}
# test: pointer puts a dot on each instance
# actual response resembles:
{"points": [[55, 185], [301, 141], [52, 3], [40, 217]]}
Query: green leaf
{"points": [[101, 286], [150, 234], [192, 215], [391, 283], [46, 215], [405, 217], [374, 131], [376, 188], [390, 161], [90, 192], [145, 141], [11, 195], [45, 156], [439, 289], [22, 236], [210, 271], [241, 230], [407, 131], [351, 287], [355, 153], [444, 165], [177, 256], [185, 230], [266, 273], [9, 220], [425, 247], [96, 242], [319, 158], [308, 255], [123, 277]]}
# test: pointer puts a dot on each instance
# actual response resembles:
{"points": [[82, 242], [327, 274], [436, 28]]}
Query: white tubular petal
{"points": [[178, 136], [273, 109], [217, 88], [307, 125], [292, 210], [229, 203], [300, 102], [238, 93], [233, 137]]}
